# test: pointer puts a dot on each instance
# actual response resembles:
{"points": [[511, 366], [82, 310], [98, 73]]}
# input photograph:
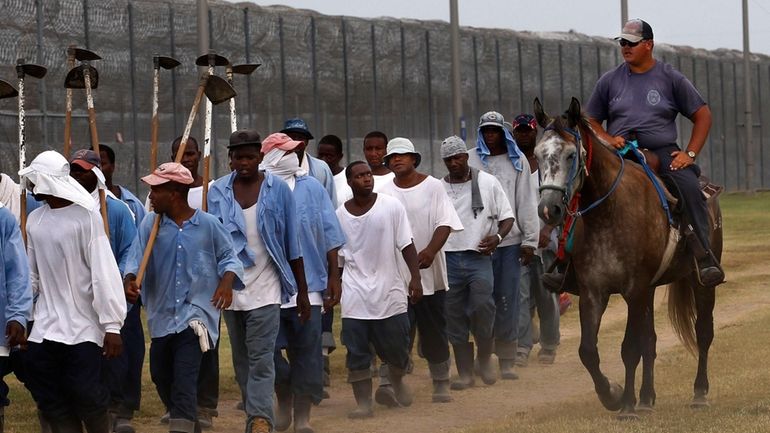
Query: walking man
{"points": [[107, 156], [189, 279], [259, 210], [496, 153], [374, 292], [432, 218], [487, 218], [296, 128], [80, 306]]}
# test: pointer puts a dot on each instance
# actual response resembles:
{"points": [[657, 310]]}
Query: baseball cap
{"points": [[295, 124], [169, 172], [243, 137], [401, 146], [635, 30], [279, 140], [452, 146], [86, 159], [492, 118], [525, 120]]}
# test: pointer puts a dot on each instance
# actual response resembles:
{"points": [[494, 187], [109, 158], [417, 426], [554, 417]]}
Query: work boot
{"points": [[440, 375], [464, 363], [99, 422], [302, 405], [506, 369], [284, 399], [404, 395], [486, 368], [546, 356], [205, 418], [258, 425], [710, 274], [385, 394], [181, 425], [362, 391]]}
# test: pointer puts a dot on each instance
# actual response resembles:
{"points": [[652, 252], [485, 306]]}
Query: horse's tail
{"points": [[682, 312]]}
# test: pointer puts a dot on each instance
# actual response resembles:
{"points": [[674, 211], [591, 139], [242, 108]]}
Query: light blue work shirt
{"points": [[16, 295], [321, 171], [183, 272], [136, 205], [276, 222], [319, 230]]}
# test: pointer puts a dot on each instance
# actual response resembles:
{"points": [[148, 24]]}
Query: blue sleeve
{"points": [[214, 201], [18, 290], [136, 251], [333, 234], [227, 260], [32, 204], [122, 232]]}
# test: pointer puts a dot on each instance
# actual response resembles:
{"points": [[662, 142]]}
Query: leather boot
{"points": [[181, 425], [486, 368], [464, 363], [710, 273], [302, 405], [284, 399], [404, 395], [362, 391], [440, 375]]}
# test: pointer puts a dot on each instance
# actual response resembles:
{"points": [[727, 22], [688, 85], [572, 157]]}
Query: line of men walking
{"points": [[286, 237]]}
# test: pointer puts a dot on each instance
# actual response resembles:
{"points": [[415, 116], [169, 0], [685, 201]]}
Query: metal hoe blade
{"points": [[166, 62], [218, 90], [84, 55], [246, 68], [8, 91], [75, 79], [211, 59], [30, 69]]}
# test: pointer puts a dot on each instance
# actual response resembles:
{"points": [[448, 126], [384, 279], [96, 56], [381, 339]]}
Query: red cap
{"points": [[279, 140], [169, 172]]}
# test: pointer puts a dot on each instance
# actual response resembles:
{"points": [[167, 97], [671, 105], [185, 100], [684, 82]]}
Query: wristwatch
{"points": [[499, 238], [691, 154]]}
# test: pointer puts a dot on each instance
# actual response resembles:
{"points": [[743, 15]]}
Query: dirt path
{"points": [[539, 386]]}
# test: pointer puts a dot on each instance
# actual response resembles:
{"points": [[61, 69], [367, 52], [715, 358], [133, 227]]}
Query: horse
{"points": [[619, 246]]}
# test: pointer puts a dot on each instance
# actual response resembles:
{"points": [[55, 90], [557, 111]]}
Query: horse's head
{"points": [[561, 159]]}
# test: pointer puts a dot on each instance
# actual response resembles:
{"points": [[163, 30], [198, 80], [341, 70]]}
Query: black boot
{"points": [[284, 400], [100, 422], [464, 363], [710, 273]]}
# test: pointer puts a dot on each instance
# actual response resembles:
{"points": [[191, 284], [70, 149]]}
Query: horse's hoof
{"points": [[627, 416], [613, 401], [645, 408], [700, 402]]}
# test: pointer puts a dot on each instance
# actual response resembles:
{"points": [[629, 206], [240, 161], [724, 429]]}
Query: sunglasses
{"points": [[625, 43]]}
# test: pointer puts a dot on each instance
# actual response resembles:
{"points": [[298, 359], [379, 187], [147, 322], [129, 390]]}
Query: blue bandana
{"points": [[514, 153]]}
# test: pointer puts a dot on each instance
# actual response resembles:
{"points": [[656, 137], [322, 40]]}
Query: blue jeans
{"points": [[252, 338], [470, 306], [303, 371], [390, 338], [123, 375], [534, 295], [175, 361], [507, 272], [208, 379]]}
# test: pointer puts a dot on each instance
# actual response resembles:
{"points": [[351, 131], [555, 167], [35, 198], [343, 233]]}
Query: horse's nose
{"points": [[551, 213]]}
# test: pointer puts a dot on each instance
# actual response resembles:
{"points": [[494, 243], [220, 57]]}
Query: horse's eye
{"points": [[571, 156]]}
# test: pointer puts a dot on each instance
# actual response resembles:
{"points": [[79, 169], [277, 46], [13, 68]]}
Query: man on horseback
{"points": [[640, 99]]}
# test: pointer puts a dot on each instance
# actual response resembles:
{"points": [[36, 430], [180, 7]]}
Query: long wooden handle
{"points": [[154, 125], [95, 145], [148, 250], [22, 161], [68, 107], [206, 167]]}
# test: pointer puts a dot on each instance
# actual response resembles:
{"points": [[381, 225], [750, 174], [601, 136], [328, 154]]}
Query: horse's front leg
{"points": [[592, 307], [634, 342], [647, 390], [704, 333]]}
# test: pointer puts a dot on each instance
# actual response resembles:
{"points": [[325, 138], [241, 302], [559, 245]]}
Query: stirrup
{"points": [[711, 275]]}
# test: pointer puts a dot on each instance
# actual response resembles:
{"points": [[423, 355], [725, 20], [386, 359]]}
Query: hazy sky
{"points": [[699, 23]]}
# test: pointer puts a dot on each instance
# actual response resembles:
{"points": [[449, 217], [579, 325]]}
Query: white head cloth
{"points": [[50, 173]]}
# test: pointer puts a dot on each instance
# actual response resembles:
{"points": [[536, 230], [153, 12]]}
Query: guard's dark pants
{"points": [[123, 375], [689, 189]]}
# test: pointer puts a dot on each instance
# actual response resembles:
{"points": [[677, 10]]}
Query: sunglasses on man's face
{"points": [[625, 43]]}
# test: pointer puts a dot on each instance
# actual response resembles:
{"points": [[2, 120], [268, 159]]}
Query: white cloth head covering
{"points": [[284, 165], [50, 173], [9, 194]]}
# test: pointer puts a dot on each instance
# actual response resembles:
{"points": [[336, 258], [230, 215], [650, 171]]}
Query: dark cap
{"points": [[86, 159], [524, 120], [635, 30], [296, 124], [243, 137]]}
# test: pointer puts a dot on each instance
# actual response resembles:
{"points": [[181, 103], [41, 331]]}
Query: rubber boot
{"points": [[362, 391], [181, 425], [486, 367], [506, 369], [302, 406], [100, 422], [385, 394], [464, 363], [284, 399], [404, 395]]}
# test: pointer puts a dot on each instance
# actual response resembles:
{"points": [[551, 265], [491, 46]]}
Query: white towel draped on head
{"points": [[50, 173], [9, 194], [284, 165]]}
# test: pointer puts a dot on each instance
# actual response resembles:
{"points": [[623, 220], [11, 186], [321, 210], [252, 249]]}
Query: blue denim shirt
{"points": [[136, 205], [319, 230], [16, 295], [276, 222], [183, 272], [321, 171]]}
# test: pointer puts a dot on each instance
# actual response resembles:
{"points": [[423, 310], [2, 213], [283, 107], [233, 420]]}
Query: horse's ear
{"points": [[542, 118], [573, 113]]}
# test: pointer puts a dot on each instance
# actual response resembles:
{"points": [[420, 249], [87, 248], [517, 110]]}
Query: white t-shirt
{"points": [[373, 286], [261, 281], [344, 193], [379, 181], [428, 207], [496, 209], [74, 275]]}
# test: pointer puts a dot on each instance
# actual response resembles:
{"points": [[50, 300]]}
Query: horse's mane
{"points": [[559, 125]]}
